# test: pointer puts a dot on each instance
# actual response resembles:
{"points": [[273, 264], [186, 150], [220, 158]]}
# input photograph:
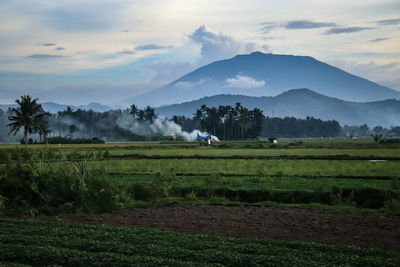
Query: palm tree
{"points": [[149, 114], [44, 130], [29, 115], [134, 110]]}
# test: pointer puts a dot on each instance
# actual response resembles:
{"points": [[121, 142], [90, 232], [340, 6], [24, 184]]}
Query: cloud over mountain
{"points": [[215, 46], [243, 82]]}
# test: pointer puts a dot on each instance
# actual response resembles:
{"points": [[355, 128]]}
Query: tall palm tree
{"points": [[44, 130], [28, 115], [134, 110]]}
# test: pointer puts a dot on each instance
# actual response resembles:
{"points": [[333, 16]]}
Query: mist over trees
{"points": [[134, 124]]}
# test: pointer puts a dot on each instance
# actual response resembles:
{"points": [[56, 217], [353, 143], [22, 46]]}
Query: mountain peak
{"points": [[300, 103], [266, 74], [255, 53]]}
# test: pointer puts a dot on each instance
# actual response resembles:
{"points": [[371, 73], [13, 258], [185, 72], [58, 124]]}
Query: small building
{"points": [[273, 140]]}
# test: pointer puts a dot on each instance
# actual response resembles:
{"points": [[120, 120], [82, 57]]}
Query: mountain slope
{"points": [[301, 103], [259, 74]]}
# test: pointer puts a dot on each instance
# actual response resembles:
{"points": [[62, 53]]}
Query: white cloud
{"points": [[216, 46], [243, 82], [213, 46], [188, 84]]}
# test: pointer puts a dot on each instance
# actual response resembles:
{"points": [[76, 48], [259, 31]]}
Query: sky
{"points": [[77, 52]]}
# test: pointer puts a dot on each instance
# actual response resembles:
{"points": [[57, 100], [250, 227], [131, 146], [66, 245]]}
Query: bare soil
{"points": [[328, 227]]}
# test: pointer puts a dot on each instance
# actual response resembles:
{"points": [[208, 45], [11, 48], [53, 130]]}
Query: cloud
{"points": [[379, 39], [188, 84], [216, 46], [294, 25], [43, 56], [126, 52], [243, 82], [306, 24], [47, 44], [150, 47], [340, 30], [213, 47], [60, 48], [269, 26], [388, 22]]}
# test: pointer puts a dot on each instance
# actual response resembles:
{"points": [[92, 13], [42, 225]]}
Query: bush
{"points": [[164, 183], [141, 192], [37, 187]]}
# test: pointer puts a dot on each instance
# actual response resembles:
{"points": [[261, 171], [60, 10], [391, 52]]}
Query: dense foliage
{"points": [[32, 185], [134, 124], [292, 127], [238, 123]]}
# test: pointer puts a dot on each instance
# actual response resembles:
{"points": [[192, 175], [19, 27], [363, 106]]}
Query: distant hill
{"points": [[54, 107], [301, 103], [259, 74]]}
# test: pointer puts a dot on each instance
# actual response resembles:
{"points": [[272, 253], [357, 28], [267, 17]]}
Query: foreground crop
{"points": [[44, 243]]}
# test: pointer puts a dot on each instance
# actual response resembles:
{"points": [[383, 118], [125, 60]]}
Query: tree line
{"points": [[229, 123], [226, 122], [239, 123]]}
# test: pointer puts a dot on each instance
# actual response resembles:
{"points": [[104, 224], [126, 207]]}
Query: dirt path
{"points": [[358, 229]]}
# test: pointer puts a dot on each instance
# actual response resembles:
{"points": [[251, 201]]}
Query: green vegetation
{"points": [[315, 174], [147, 174], [58, 243]]}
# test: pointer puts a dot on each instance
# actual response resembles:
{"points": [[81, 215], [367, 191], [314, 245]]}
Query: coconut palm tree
{"points": [[28, 115]]}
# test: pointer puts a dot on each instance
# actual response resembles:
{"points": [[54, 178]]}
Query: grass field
{"points": [[352, 175]]}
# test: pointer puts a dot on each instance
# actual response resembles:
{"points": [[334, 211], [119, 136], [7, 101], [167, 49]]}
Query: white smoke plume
{"points": [[158, 126]]}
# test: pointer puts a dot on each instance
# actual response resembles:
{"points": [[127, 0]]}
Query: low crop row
{"points": [[280, 167], [57, 243], [359, 197]]}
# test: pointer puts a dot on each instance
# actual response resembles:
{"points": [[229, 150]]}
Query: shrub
{"points": [[35, 186], [192, 196], [141, 192], [163, 184]]}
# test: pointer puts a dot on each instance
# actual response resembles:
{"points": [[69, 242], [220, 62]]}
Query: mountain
{"points": [[301, 103], [259, 74], [54, 107]]}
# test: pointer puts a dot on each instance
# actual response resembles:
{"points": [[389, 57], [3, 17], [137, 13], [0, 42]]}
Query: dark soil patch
{"points": [[328, 227]]}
